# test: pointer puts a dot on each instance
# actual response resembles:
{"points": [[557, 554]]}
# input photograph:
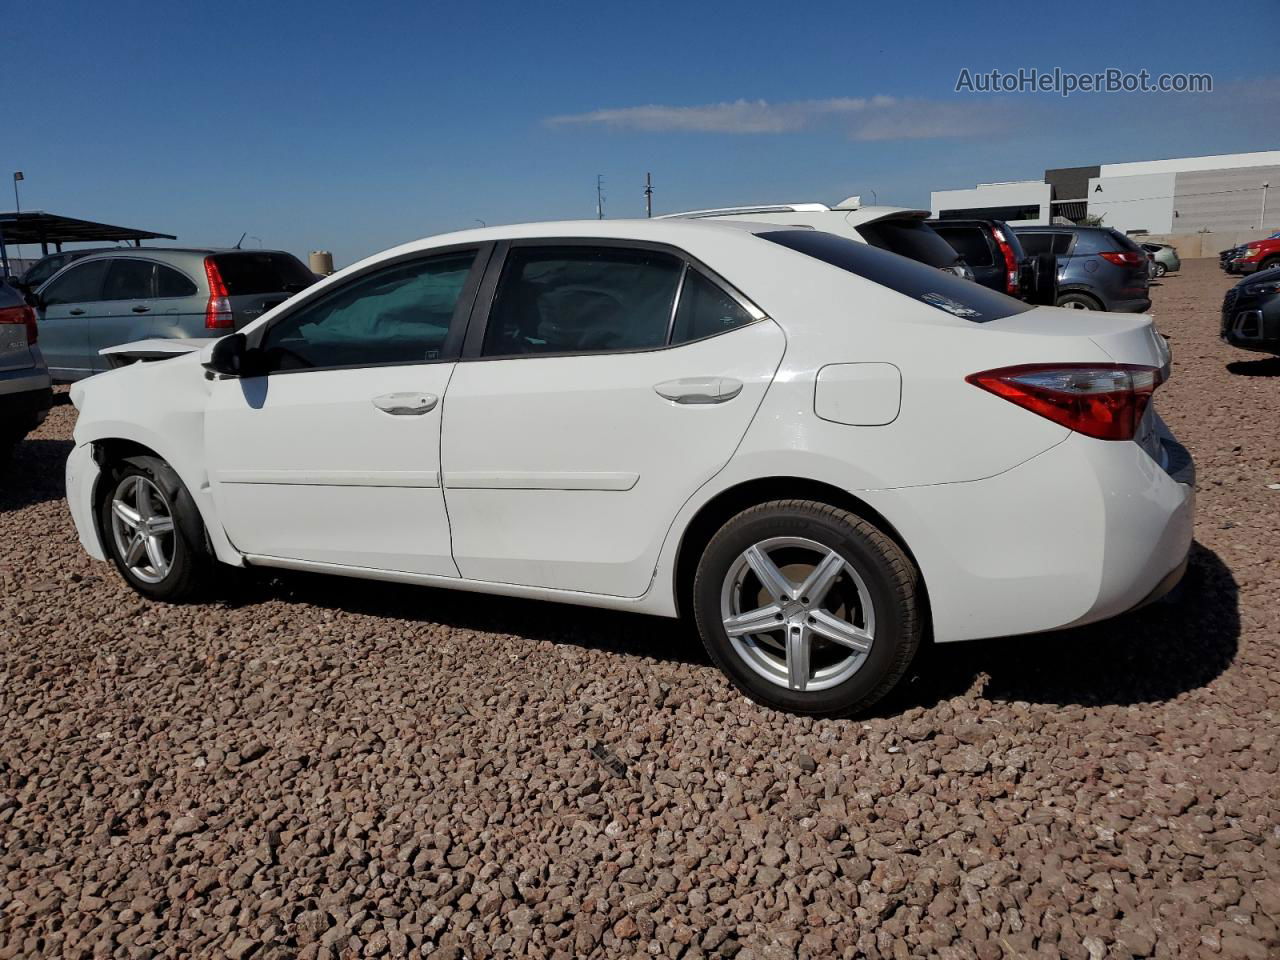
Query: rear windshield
{"points": [[939, 289], [253, 272], [910, 238], [969, 242]]}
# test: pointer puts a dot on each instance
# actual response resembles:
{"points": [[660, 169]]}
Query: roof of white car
{"points": [[656, 230], [850, 210]]}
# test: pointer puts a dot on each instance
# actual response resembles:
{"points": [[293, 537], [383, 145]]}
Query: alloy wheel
{"points": [[797, 613], [142, 524]]}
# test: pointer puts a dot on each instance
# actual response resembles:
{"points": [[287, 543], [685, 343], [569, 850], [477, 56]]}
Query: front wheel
{"points": [[808, 608], [153, 531], [1161, 270]]}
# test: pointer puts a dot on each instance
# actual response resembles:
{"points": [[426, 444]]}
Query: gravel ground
{"points": [[327, 768]]}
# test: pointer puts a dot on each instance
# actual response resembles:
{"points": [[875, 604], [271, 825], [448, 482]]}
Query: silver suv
{"points": [[120, 296], [25, 394]]}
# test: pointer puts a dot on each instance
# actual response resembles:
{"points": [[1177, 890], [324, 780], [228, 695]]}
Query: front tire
{"points": [[1161, 270], [808, 608], [153, 531]]}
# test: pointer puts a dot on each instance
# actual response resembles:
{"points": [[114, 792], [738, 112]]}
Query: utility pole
{"points": [[17, 205], [599, 196], [1262, 217], [648, 195]]}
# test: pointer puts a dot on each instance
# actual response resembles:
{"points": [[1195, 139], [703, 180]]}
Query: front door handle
{"points": [[406, 404], [77, 312], [692, 390], [141, 309]]}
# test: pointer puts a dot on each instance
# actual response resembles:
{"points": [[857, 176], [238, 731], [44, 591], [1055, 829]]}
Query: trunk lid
{"points": [[1123, 337]]}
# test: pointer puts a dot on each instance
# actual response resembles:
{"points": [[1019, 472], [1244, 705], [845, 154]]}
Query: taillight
{"points": [[217, 312], [1123, 258], [25, 316], [1010, 262], [1103, 400]]}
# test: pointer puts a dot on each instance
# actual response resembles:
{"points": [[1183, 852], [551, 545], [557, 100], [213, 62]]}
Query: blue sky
{"points": [[354, 126]]}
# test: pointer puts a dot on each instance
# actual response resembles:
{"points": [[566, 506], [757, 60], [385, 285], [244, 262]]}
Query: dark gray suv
{"points": [[1098, 268]]}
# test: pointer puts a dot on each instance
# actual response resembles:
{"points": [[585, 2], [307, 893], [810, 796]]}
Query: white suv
{"points": [[899, 230]]}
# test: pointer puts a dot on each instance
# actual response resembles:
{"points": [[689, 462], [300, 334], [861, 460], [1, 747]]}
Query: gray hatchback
{"points": [[1098, 268], [119, 296]]}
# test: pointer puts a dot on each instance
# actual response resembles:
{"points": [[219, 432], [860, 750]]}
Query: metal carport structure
{"points": [[36, 226]]}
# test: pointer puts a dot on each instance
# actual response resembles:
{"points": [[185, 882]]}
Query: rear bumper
{"points": [[1084, 531], [1137, 305]]}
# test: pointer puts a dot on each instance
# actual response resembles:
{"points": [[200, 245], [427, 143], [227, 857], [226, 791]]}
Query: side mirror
{"points": [[226, 356], [33, 299]]}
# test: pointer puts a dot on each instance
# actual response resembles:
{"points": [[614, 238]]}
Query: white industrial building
{"points": [[1230, 192]]}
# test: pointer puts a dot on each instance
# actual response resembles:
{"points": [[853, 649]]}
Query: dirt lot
{"points": [[322, 768]]}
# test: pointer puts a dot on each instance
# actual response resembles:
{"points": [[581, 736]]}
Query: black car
{"points": [[994, 253], [1251, 313], [1099, 268]]}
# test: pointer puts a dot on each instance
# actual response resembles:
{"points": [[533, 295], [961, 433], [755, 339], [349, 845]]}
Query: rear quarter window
{"points": [[943, 291]]}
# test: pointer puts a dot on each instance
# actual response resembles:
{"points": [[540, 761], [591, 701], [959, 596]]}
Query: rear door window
{"points": [[939, 289], [130, 280], [581, 299], [79, 283], [249, 273], [969, 242]]}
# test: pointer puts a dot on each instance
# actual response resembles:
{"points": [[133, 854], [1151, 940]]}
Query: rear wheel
{"points": [[153, 531], [807, 607], [1078, 301]]}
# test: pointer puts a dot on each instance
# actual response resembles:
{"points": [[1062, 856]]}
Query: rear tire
{"points": [[834, 653], [1078, 301], [153, 532]]}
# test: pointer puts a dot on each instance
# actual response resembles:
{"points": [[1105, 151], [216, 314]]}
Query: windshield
{"points": [[939, 289]]}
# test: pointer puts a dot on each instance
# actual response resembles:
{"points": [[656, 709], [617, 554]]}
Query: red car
{"points": [[1258, 255]]}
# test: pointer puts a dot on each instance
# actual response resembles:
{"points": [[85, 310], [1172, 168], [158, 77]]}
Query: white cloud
{"points": [[864, 118]]}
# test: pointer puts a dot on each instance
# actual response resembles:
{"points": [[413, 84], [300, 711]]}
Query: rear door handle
{"points": [[141, 309], [406, 404], [77, 312], [693, 390]]}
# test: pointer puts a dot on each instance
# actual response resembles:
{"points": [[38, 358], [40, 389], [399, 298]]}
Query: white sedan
{"points": [[823, 453]]}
